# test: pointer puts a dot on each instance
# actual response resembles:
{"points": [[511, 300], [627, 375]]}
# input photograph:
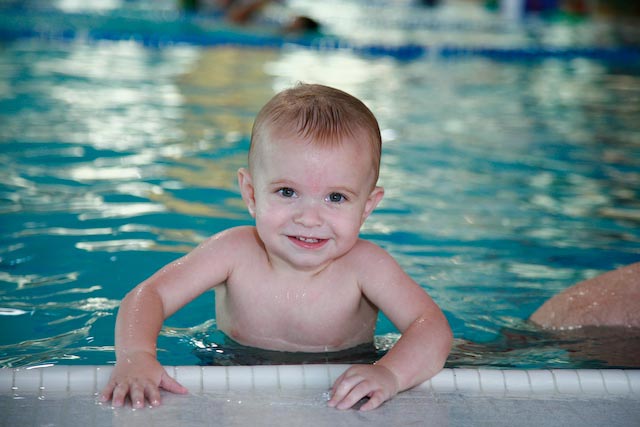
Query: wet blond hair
{"points": [[317, 114]]}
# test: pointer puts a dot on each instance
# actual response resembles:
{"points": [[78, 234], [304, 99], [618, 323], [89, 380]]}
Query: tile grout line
{"points": [[529, 381], [278, 378], [479, 381], [304, 377], [624, 371], [579, 380], [555, 381], [626, 380], [505, 383], [201, 379], [329, 377], [95, 380], [253, 378], [41, 383], [604, 384]]}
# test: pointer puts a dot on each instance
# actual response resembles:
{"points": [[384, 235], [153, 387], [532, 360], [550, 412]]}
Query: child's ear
{"points": [[372, 201], [246, 189]]}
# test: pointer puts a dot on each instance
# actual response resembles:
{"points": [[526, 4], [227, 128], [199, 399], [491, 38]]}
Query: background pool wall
{"points": [[155, 31], [198, 379]]}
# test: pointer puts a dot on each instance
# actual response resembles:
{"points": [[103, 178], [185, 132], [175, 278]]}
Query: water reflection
{"points": [[223, 90], [523, 347]]}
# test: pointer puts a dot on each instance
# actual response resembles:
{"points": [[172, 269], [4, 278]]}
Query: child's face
{"points": [[310, 201]]}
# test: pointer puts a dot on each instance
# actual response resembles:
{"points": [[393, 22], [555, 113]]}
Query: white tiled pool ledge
{"points": [[91, 379]]}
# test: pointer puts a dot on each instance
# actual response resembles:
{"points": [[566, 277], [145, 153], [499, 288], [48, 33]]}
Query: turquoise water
{"points": [[507, 179]]}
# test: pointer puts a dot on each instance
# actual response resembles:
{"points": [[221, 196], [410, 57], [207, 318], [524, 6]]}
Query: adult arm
{"points": [[610, 299]]}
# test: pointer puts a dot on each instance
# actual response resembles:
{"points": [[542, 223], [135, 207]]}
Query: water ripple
{"points": [[37, 281]]}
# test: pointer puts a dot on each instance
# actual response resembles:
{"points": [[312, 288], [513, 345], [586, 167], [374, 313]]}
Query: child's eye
{"points": [[336, 197], [287, 192]]}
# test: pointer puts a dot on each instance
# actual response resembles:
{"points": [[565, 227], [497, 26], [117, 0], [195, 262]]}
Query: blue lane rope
{"points": [[226, 37]]}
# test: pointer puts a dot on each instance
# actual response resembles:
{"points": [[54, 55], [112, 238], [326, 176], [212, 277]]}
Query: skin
{"points": [[610, 299], [304, 265]]}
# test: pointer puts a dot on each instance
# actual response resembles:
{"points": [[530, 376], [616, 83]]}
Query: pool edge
{"points": [[199, 379]]}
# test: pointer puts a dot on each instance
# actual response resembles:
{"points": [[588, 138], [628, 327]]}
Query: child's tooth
{"points": [[308, 239]]}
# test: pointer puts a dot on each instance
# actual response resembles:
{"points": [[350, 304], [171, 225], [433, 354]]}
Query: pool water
{"points": [[507, 180]]}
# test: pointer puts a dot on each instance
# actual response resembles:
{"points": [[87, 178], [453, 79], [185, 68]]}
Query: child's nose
{"points": [[308, 214]]}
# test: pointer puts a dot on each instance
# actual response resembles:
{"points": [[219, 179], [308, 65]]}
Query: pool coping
{"points": [[202, 379]]}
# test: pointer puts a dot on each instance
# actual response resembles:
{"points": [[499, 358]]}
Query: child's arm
{"points": [[417, 356], [137, 373]]}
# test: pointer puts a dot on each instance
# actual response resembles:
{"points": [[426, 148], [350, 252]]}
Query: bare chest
{"points": [[295, 316]]}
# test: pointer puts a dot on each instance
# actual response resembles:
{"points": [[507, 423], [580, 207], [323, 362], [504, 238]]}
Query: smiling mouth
{"points": [[307, 242]]}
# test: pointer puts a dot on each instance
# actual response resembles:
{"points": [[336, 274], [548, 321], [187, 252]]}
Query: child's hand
{"points": [[373, 381], [140, 376]]}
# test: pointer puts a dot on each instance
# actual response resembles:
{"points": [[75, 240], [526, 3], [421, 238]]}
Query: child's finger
{"points": [[342, 388], [339, 379], [350, 392], [119, 394], [170, 384], [376, 399], [362, 389], [136, 393], [107, 391], [153, 395]]}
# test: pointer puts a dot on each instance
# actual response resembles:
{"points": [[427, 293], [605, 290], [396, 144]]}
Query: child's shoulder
{"points": [[242, 231], [363, 245], [368, 253], [372, 264], [236, 237]]}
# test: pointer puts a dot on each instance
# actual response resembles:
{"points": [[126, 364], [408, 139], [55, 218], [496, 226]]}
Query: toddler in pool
{"points": [[301, 280]]}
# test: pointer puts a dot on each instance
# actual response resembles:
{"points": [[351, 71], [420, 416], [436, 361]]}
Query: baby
{"points": [[301, 280]]}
